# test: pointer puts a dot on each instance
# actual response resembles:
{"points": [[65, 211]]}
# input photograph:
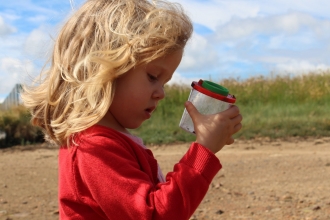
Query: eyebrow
{"points": [[162, 69]]}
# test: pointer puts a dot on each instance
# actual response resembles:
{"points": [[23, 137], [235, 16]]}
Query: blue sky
{"points": [[232, 38]]}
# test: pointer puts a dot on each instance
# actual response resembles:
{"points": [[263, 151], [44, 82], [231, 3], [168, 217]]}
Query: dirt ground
{"points": [[260, 179]]}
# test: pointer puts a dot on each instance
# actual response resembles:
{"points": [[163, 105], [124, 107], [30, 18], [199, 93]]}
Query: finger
{"points": [[191, 109], [237, 127], [232, 111], [237, 119]]}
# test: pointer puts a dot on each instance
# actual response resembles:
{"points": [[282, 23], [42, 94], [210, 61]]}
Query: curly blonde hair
{"points": [[100, 42]]}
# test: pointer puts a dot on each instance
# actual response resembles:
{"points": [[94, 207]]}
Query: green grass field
{"points": [[276, 107]]}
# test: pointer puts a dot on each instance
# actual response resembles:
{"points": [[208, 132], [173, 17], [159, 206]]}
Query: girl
{"points": [[110, 63]]}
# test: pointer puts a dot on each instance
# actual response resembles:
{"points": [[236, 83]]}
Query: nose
{"points": [[159, 93]]}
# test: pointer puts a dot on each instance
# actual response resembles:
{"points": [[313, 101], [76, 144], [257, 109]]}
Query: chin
{"points": [[134, 126]]}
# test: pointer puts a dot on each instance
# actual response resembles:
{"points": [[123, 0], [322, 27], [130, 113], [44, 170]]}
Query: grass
{"points": [[275, 107], [285, 120], [19, 131]]}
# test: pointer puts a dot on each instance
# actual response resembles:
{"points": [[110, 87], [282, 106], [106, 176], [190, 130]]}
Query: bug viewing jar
{"points": [[208, 98]]}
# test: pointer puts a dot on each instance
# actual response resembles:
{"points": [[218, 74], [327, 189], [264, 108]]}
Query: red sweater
{"points": [[109, 176]]}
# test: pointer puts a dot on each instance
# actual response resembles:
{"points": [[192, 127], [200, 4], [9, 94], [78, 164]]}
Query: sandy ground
{"points": [[260, 179]]}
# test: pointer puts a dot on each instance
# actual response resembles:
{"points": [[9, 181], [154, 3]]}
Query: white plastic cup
{"points": [[208, 98]]}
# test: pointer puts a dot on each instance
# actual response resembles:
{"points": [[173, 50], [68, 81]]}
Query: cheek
{"points": [[124, 104], [130, 99], [138, 95]]}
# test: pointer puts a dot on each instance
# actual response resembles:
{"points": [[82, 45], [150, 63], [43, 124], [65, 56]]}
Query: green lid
{"points": [[216, 88]]}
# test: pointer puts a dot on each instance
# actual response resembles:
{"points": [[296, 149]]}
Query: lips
{"points": [[150, 110]]}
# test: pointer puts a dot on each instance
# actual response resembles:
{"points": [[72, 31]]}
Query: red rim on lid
{"points": [[198, 86]]}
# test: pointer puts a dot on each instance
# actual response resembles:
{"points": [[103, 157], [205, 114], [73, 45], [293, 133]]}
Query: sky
{"points": [[232, 38]]}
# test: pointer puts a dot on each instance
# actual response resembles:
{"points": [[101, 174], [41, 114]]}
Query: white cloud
{"points": [[177, 78], [212, 13], [319, 8], [216, 12], [14, 71], [269, 42], [10, 16], [5, 29], [198, 55], [288, 24], [298, 67], [11, 46], [39, 42], [38, 18]]}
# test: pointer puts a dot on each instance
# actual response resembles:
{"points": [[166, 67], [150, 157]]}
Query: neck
{"points": [[109, 121]]}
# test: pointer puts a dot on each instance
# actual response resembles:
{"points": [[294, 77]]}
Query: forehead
{"points": [[169, 62]]}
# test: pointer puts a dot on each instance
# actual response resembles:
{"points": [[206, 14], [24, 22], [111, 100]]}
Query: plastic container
{"points": [[208, 98]]}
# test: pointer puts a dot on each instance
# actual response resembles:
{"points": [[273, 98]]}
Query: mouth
{"points": [[150, 110]]}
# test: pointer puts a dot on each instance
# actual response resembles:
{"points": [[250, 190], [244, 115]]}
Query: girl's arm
{"points": [[113, 180]]}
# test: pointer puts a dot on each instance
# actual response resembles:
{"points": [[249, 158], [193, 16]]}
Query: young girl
{"points": [[109, 66]]}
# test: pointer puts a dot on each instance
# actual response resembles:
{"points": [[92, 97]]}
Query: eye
{"points": [[152, 78]]}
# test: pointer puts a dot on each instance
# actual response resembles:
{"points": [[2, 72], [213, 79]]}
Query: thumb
{"points": [[191, 109]]}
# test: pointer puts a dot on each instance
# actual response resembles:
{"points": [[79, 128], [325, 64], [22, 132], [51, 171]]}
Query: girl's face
{"points": [[138, 92]]}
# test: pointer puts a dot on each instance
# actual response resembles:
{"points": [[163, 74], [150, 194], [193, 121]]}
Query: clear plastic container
{"points": [[208, 98]]}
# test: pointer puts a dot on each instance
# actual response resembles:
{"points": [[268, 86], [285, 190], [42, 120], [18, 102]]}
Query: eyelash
{"points": [[152, 77]]}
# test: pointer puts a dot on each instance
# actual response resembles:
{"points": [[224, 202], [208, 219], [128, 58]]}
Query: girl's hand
{"points": [[216, 130]]}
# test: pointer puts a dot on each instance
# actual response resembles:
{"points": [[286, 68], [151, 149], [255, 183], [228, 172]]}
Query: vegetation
{"points": [[18, 129], [275, 107]]}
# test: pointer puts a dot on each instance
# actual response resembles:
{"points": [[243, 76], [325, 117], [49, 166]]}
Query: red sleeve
{"points": [[113, 180]]}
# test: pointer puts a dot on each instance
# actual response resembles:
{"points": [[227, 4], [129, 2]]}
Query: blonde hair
{"points": [[100, 42]]}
